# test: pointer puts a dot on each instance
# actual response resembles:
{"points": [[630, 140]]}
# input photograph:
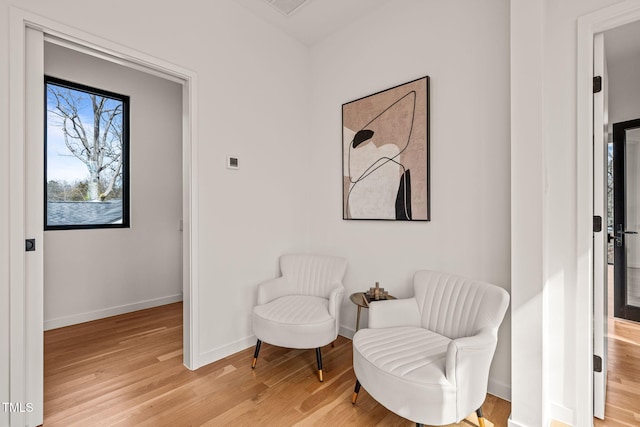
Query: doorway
{"points": [[626, 241], [613, 49], [133, 261], [589, 26], [27, 33]]}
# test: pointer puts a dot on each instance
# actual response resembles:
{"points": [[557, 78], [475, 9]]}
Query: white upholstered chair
{"points": [[301, 309], [427, 358]]}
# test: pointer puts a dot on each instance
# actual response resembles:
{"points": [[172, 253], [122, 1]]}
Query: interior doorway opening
{"points": [[27, 32], [132, 260], [622, 261], [626, 208]]}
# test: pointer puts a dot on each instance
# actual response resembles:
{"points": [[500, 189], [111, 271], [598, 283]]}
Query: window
{"points": [[86, 157]]}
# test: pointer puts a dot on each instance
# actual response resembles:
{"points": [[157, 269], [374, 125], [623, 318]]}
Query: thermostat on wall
{"points": [[233, 162]]}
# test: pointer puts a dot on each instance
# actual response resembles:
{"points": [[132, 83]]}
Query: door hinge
{"points": [[30, 245], [597, 363], [597, 84], [597, 223]]}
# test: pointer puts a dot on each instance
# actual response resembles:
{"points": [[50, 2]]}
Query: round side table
{"points": [[360, 300]]}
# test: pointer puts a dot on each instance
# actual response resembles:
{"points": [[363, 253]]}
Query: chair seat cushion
{"points": [[403, 368], [295, 321]]}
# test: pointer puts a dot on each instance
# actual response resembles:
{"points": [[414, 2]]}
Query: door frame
{"points": [[25, 334], [588, 25]]}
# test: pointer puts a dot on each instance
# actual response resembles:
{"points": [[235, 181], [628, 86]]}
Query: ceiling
{"points": [[315, 20]]}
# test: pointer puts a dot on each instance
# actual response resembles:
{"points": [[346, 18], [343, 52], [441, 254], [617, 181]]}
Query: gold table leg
{"points": [[358, 319]]}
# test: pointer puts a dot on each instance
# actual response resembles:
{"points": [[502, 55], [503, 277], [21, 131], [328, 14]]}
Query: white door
{"points": [[600, 299]]}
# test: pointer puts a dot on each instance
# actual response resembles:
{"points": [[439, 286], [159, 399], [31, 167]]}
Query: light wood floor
{"points": [[127, 371], [622, 407]]}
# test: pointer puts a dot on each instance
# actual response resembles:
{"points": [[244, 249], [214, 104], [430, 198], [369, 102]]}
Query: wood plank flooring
{"points": [[622, 407], [127, 371]]}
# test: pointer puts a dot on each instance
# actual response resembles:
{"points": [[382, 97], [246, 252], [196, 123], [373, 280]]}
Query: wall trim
{"points": [[88, 316], [346, 332], [499, 389], [562, 414], [512, 423], [588, 25]]}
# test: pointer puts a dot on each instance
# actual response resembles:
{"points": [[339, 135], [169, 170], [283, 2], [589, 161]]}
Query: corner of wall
{"points": [[346, 332], [226, 350]]}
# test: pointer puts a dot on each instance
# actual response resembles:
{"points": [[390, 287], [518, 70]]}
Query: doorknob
{"points": [[620, 233]]}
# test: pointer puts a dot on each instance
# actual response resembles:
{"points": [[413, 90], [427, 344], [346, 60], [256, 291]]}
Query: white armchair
{"points": [[427, 358], [301, 309]]}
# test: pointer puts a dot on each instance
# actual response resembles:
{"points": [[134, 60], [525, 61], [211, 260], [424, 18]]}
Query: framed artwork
{"points": [[385, 163]]}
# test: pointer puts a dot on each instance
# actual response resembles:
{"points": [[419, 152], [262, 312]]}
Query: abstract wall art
{"points": [[385, 140]]}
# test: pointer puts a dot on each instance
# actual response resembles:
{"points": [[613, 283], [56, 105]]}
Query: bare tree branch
{"points": [[97, 142]]}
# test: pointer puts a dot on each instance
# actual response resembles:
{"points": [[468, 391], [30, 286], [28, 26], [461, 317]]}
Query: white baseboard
{"points": [[74, 319], [226, 350], [347, 332], [512, 423], [499, 389], [562, 414]]}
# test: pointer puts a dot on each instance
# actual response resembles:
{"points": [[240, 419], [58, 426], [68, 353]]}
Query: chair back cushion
{"points": [[456, 306], [313, 275]]}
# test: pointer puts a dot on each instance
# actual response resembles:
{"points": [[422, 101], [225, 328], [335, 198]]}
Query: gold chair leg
{"points": [[480, 417], [255, 354], [319, 359], [354, 397]]}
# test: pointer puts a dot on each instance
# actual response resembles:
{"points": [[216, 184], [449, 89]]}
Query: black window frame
{"points": [[125, 99]]}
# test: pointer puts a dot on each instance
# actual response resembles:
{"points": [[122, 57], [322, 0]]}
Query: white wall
{"points": [[624, 84], [253, 102], [91, 274], [551, 377], [463, 46], [527, 268], [624, 90]]}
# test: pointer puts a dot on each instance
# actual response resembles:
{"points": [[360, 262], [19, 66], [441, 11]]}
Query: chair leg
{"points": [[255, 354], [480, 417], [319, 358], [355, 392]]}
